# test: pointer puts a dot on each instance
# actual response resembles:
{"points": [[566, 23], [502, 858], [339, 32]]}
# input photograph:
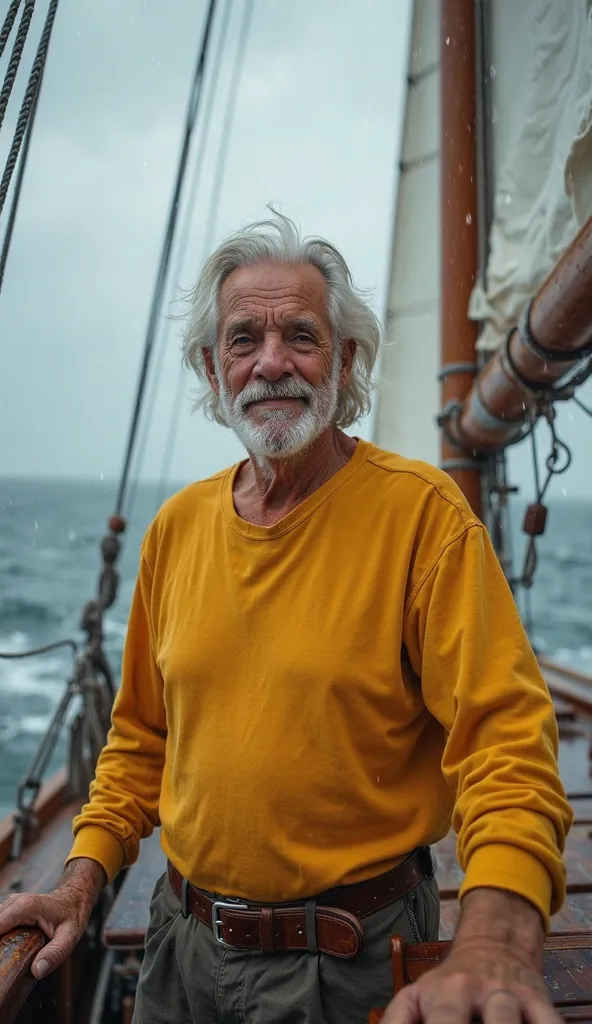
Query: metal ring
{"points": [[451, 368], [536, 389], [451, 464], [500, 991], [550, 354]]}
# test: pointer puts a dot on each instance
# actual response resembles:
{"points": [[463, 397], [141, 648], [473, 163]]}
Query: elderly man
{"points": [[324, 667]]}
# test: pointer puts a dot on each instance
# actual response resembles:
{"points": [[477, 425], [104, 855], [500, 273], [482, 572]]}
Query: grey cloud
{"points": [[314, 130]]}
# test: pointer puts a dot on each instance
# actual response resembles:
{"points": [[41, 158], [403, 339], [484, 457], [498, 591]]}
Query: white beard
{"points": [[285, 432]]}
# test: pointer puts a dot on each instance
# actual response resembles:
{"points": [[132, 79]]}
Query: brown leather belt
{"points": [[327, 923]]}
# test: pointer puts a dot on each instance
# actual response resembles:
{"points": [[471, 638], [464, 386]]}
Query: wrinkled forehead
{"points": [[273, 289]]}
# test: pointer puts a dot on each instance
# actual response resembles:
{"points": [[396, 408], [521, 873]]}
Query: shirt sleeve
{"points": [[480, 679], [124, 796]]}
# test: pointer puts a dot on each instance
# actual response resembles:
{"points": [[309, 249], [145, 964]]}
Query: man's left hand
{"points": [[481, 979]]}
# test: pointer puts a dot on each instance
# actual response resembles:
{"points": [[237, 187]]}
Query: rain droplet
{"points": [[469, 219], [447, 40]]}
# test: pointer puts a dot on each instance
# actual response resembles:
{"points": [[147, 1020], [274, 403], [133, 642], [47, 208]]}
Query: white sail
{"points": [[409, 395]]}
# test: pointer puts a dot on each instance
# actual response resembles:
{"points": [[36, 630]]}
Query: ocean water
{"points": [[49, 563]]}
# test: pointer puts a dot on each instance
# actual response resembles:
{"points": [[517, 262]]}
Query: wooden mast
{"points": [[459, 228]]}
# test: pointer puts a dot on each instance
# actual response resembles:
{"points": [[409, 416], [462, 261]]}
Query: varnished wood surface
{"points": [[18, 949], [41, 864], [568, 969], [128, 919], [568, 966], [52, 797]]}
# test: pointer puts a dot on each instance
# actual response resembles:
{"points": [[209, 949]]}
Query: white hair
{"points": [[278, 240]]}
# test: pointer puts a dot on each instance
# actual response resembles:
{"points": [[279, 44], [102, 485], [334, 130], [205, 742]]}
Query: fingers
{"points": [[59, 922], [404, 1009], [59, 949], [449, 1003], [504, 1006], [16, 912], [540, 1011], [25, 912], [501, 1007]]}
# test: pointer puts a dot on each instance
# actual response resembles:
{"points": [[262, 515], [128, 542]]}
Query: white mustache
{"points": [[262, 391]]}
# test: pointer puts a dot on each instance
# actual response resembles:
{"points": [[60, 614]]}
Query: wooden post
{"points": [[459, 229]]}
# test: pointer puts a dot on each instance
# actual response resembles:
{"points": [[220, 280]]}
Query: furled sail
{"points": [[542, 151], [541, 171]]}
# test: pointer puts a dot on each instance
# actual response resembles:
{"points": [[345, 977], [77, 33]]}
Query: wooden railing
{"points": [[52, 796], [18, 950]]}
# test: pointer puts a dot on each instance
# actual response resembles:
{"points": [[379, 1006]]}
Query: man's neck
{"points": [[266, 490]]}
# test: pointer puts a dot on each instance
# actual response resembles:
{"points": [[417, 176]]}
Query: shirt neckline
{"points": [[302, 511]]}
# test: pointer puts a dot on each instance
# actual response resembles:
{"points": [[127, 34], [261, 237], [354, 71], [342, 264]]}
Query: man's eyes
{"points": [[244, 340]]}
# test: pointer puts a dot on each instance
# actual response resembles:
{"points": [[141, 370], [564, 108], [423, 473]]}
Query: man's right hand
{"points": [[63, 913]]}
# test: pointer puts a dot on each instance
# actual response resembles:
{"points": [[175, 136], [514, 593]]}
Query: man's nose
{"points": [[274, 359]]}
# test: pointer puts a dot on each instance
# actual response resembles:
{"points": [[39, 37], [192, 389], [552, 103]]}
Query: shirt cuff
{"points": [[96, 843], [501, 866]]}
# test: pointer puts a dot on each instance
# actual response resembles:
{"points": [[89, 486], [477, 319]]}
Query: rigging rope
{"points": [[8, 23], [208, 234], [557, 462], [18, 187], [162, 274], [17, 52], [181, 253], [27, 105], [12, 655], [583, 407]]}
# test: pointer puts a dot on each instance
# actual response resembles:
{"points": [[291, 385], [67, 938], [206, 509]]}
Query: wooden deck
{"points": [[41, 864]]}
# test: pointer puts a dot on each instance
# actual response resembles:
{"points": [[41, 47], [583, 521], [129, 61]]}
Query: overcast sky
{"points": [[316, 130]]}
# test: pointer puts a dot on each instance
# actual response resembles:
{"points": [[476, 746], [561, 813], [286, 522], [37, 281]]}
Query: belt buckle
{"points": [[217, 923]]}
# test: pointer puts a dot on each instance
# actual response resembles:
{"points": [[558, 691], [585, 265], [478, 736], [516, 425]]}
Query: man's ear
{"points": [[348, 351], [210, 367]]}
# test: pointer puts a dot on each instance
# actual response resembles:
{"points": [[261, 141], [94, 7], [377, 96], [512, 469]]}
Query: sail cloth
{"points": [[542, 136]]}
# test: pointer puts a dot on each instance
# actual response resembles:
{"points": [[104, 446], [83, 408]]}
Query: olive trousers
{"points": [[187, 977]]}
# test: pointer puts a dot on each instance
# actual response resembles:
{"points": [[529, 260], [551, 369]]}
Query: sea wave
{"points": [[21, 611], [42, 675], [114, 628]]}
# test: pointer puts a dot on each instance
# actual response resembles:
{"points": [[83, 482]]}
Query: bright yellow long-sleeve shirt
{"points": [[301, 705]]}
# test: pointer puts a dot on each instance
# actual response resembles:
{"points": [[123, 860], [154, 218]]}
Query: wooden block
{"points": [[128, 919]]}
